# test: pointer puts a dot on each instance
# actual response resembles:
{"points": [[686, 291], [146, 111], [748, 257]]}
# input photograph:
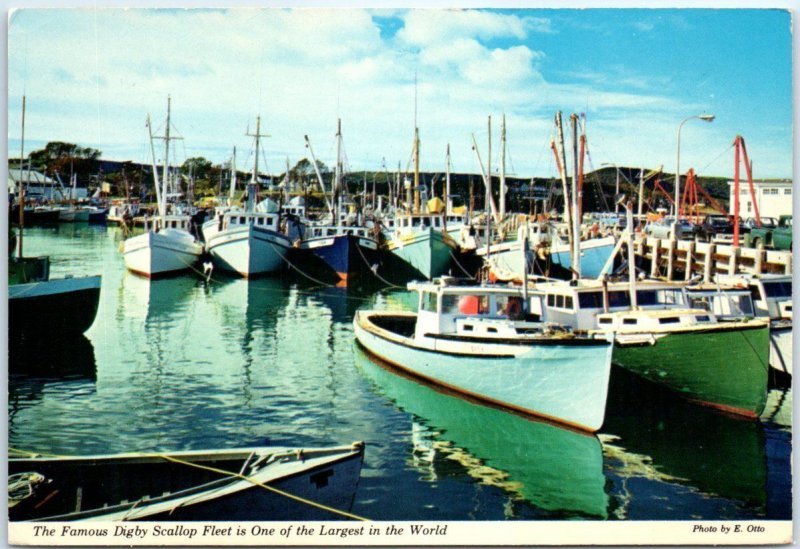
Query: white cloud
{"points": [[92, 76]]}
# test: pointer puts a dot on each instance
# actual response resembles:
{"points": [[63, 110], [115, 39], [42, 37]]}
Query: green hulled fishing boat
{"points": [[719, 364]]}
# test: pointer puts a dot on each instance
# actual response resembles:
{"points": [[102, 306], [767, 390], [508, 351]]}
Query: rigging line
{"points": [[375, 272], [267, 487], [717, 158]]}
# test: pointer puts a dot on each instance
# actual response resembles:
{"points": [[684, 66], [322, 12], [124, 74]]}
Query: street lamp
{"points": [[706, 118]]}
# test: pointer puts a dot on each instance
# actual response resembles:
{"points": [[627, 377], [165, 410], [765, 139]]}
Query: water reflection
{"points": [[650, 434], [53, 357], [557, 470]]}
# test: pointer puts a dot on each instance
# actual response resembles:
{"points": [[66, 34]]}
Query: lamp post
{"points": [[706, 118]]}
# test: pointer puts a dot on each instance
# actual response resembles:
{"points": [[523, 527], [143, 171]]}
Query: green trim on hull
{"points": [[725, 369]]}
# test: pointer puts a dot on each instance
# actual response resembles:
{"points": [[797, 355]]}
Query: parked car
{"points": [[778, 237], [767, 222], [714, 225], [664, 228]]}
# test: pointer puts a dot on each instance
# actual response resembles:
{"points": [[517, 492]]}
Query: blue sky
{"points": [[92, 76]]}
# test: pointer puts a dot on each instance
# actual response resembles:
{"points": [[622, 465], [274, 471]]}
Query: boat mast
{"points": [[337, 187], [641, 192], [232, 190], [503, 168], [20, 182], [416, 171], [564, 187], [253, 185], [162, 207], [631, 256], [156, 183], [576, 221], [447, 200], [488, 186], [319, 178]]}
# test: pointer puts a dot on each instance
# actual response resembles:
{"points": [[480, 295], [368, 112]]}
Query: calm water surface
{"points": [[183, 363]]}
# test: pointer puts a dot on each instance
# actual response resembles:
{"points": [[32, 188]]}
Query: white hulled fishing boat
{"points": [[478, 341], [166, 246], [249, 242]]}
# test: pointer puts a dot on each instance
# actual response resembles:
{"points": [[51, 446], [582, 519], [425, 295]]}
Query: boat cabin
{"points": [[771, 293], [725, 303], [262, 220], [330, 231], [646, 322], [578, 306], [446, 307], [407, 222], [177, 222]]}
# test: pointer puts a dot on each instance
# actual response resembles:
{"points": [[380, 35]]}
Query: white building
{"points": [[773, 197], [40, 187]]}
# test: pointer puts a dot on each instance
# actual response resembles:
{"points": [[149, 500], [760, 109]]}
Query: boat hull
{"points": [[68, 215], [349, 257], [508, 263], [248, 250], [52, 308], [594, 255], [564, 381], [780, 348], [176, 487], [155, 254], [724, 368], [428, 253]]}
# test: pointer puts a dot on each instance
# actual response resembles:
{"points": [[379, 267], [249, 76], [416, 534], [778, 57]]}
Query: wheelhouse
{"points": [[469, 310], [578, 306]]}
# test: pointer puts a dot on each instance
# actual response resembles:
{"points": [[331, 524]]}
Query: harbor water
{"points": [[189, 363]]}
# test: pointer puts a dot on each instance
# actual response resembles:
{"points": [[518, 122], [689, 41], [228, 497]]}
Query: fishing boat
{"points": [[167, 245], [771, 298], [72, 214], [260, 483], [722, 364], [478, 341], [52, 308], [40, 308], [250, 241], [419, 238], [507, 260], [346, 248]]}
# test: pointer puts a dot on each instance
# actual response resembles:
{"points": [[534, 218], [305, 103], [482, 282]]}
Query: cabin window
{"points": [[491, 330], [619, 299], [590, 300], [271, 221], [605, 320], [702, 318], [551, 300], [429, 302], [630, 321], [465, 304], [778, 289], [669, 320], [241, 220], [468, 327], [437, 222], [658, 297], [568, 302], [560, 301], [426, 222], [415, 222]]}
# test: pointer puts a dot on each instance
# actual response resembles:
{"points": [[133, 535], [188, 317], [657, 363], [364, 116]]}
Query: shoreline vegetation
{"points": [[127, 178]]}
